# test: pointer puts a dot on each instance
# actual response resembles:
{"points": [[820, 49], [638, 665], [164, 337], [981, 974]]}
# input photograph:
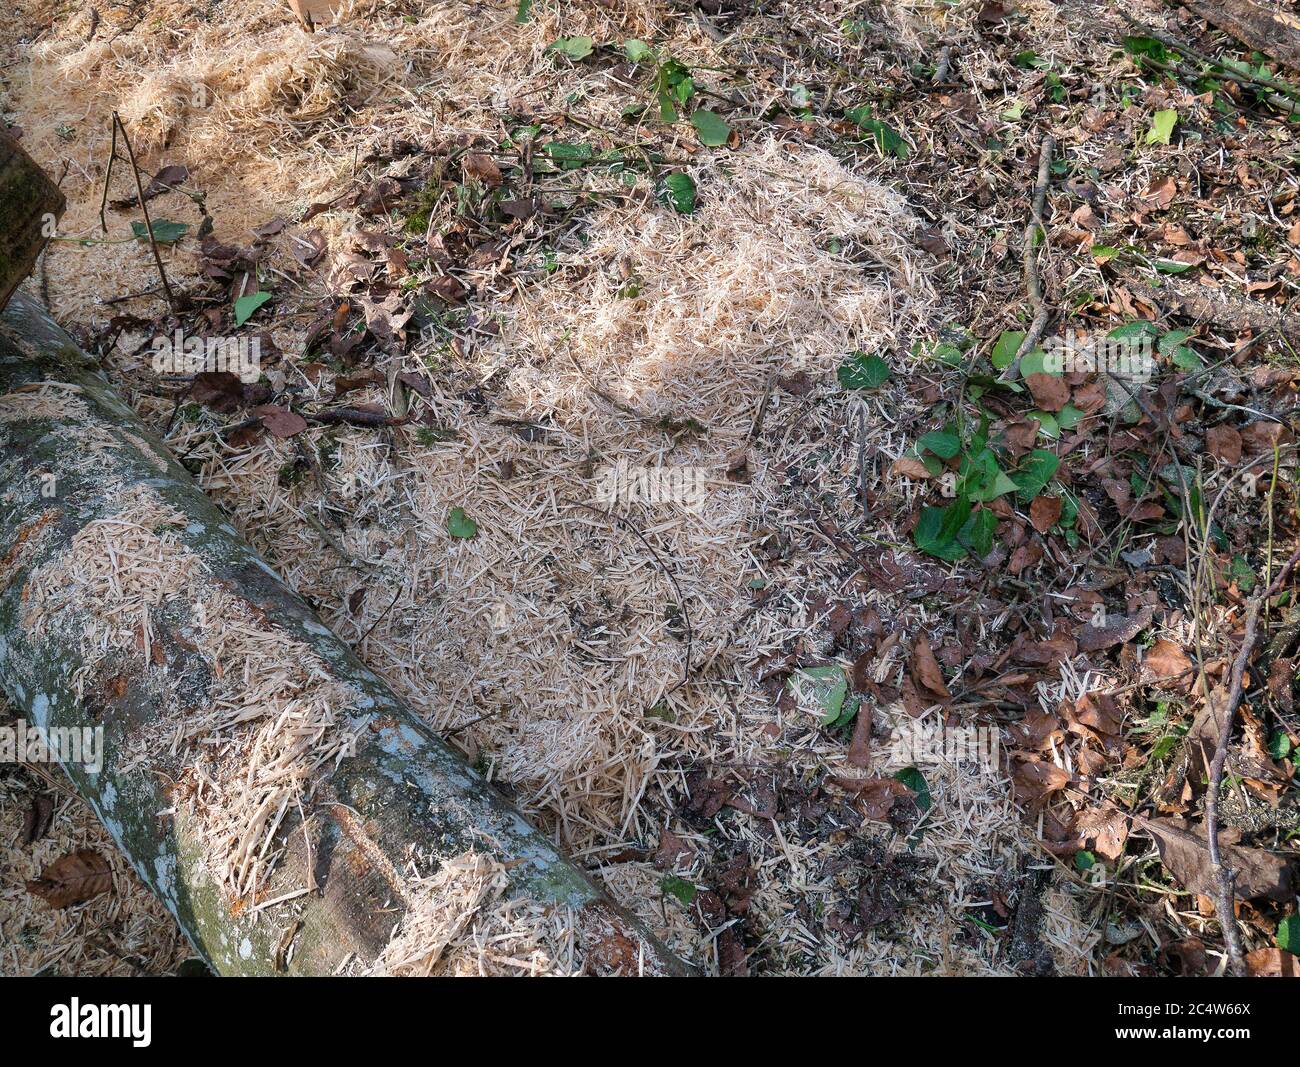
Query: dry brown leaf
{"points": [[1050, 392], [1044, 512], [1223, 442], [481, 166], [1185, 853], [280, 421], [1106, 829], [1272, 963], [926, 669], [1167, 664], [73, 878]]}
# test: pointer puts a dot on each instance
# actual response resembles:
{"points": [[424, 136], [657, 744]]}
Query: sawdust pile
{"points": [[459, 923]]}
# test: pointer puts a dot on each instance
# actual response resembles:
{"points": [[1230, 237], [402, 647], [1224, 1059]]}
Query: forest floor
{"points": [[644, 390]]}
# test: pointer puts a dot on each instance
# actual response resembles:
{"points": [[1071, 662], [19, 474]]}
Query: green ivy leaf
{"points": [[461, 525], [680, 188], [165, 232], [915, 781], [937, 530], [636, 51], [576, 48], [1004, 352], [1033, 477], [710, 128], [942, 443], [246, 305], [678, 887], [1162, 126], [887, 139], [1288, 934], [861, 371], [825, 686]]}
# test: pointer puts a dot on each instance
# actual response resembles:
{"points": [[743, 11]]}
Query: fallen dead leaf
{"points": [[1185, 853], [926, 669], [73, 878]]}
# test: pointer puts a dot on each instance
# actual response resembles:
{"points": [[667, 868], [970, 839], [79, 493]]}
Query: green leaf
{"points": [[710, 127], [887, 139], [680, 188], [1145, 46], [1162, 126], [576, 48], [1288, 934], [1033, 477], [1048, 425], [1172, 266], [915, 781], [937, 530], [1084, 860], [861, 371], [165, 232], [678, 887], [1035, 362], [977, 534], [246, 305], [1069, 417], [461, 525], [942, 443], [825, 686], [523, 11], [569, 154], [636, 51], [1103, 252], [1279, 747], [1004, 352]]}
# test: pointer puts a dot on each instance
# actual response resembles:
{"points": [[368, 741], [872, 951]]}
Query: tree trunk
{"points": [[29, 206], [128, 602]]}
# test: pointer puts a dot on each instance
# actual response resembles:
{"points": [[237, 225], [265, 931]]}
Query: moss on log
{"points": [[340, 856]]}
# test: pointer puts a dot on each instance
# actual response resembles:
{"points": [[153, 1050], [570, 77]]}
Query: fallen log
{"points": [[294, 815], [1265, 28]]}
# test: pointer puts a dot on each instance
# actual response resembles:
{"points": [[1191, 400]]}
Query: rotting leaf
{"points": [[73, 878], [1115, 630], [280, 421]]}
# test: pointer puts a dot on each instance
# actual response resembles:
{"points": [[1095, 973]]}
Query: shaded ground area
{"points": [[630, 394]]}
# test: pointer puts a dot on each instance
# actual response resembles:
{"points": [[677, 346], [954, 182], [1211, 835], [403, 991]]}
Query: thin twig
{"points": [[144, 207]]}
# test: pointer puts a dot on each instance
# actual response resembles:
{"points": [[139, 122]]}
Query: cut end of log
{"points": [[30, 205]]}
